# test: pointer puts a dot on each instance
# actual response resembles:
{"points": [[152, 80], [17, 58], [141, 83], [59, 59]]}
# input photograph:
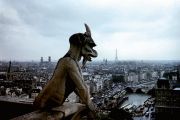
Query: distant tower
{"points": [[116, 58], [9, 71], [41, 59], [49, 59], [106, 62], [178, 73]]}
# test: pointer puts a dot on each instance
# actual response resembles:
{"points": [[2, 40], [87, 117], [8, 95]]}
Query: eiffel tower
{"points": [[116, 58]]}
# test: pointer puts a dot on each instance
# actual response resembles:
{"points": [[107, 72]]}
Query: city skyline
{"points": [[139, 30]]}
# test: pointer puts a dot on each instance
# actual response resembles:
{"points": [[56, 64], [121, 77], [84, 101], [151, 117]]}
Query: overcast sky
{"points": [[138, 29]]}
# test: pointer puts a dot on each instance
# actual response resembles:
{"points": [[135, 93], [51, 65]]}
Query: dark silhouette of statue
{"points": [[67, 77]]}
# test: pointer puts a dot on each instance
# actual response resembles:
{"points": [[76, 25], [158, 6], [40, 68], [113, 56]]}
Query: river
{"points": [[136, 99]]}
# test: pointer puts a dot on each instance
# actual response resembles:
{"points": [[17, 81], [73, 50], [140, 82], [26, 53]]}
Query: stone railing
{"points": [[58, 113]]}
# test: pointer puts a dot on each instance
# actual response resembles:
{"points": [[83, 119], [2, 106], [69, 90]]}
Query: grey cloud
{"points": [[46, 25]]}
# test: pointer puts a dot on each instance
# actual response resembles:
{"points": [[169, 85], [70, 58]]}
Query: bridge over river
{"points": [[144, 87]]}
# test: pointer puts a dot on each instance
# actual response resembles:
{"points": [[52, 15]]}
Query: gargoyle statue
{"points": [[67, 76]]}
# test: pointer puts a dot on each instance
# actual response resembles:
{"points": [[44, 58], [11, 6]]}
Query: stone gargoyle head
{"points": [[86, 43]]}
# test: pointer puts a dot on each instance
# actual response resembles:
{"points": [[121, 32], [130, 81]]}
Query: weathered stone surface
{"points": [[57, 113]]}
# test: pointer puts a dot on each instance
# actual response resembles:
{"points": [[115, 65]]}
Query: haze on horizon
{"points": [[138, 29]]}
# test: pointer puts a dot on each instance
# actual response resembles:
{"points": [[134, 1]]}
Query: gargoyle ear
{"points": [[88, 31], [81, 39]]}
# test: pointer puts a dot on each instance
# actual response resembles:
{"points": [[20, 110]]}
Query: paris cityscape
{"points": [[123, 61], [137, 90]]}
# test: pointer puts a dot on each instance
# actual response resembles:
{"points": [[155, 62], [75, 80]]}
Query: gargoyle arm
{"points": [[81, 88]]}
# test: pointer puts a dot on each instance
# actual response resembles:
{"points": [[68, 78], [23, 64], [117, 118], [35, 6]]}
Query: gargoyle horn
{"points": [[88, 31]]}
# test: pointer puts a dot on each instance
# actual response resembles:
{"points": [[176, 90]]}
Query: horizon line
{"points": [[96, 60]]}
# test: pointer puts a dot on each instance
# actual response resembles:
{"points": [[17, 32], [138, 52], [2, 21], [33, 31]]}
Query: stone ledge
{"points": [[60, 112]]}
